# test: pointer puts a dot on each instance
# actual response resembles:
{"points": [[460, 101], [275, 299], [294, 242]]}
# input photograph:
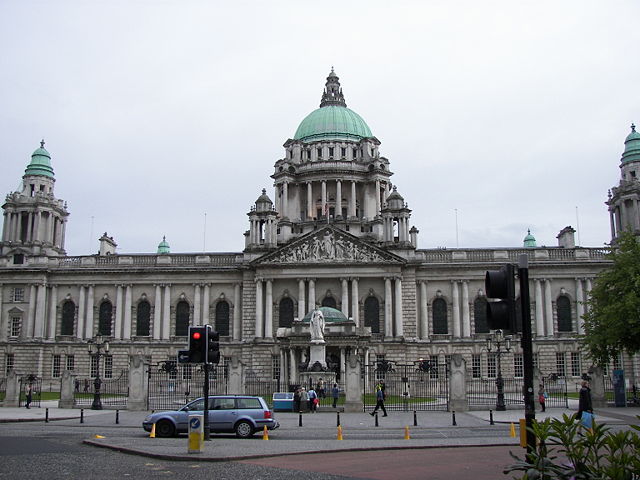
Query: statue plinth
{"points": [[317, 353]]}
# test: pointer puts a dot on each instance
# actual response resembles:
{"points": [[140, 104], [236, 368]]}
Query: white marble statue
{"points": [[317, 326]]}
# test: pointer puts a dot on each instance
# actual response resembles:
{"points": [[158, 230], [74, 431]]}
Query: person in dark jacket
{"points": [[380, 398], [584, 401]]}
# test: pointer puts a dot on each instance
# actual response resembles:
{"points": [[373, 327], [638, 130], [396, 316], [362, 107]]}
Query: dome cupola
{"points": [[529, 241], [163, 247], [40, 163], [631, 146], [264, 203]]}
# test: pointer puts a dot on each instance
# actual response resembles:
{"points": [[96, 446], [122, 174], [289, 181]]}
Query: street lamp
{"points": [[501, 344], [97, 347]]}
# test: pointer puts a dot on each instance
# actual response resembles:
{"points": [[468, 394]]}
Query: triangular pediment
{"points": [[326, 246]]}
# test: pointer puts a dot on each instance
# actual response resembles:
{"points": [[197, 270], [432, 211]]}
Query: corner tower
{"points": [[34, 220]]}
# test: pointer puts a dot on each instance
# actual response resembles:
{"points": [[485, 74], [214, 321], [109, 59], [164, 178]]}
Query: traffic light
{"points": [[501, 295], [213, 347], [197, 344]]}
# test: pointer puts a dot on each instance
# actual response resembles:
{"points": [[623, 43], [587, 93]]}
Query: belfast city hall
{"points": [[334, 234]]}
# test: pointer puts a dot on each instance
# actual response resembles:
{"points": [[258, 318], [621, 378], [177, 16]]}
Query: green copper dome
{"points": [[631, 146], [530, 240], [333, 120], [40, 163], [163, 247], [331, 315]]}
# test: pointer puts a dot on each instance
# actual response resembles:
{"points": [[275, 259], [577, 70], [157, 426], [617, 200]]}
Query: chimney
{"points": [[107, 245], [566, 238]]}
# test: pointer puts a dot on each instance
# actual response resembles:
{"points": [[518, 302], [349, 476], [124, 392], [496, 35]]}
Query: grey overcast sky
{"points": [[155, 112]]}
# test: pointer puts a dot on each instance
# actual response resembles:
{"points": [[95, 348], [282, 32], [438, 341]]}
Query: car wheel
{"points": [[164, 428], [244, 429]]}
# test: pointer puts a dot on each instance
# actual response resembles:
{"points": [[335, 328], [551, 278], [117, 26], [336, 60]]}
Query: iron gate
{"points": [[114, 392], [407, 387], [33, 384], [171, 385], [483, 392], [264, 381]]}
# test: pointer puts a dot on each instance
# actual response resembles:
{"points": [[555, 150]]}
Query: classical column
{"points": [[205, 304], [126, 331], [31, 313], [4, 330], [588, 293], [36, 227], [284, 372], [5, 226], [579, 306], [81, 313], [197, 319], [258, 327], [612, 224], [88, 329], [548, 307], [268, 310], [399, 326], [424, 312], [38, 329], [53, 302], [157, 313], [324, 196], [293, 370], [354, 301], [455, 298], [237, 312], [119, 311], [302, 310], [166, 313], [345, 296], [343, 361], [539, 309], [466, 317], [310, 212], [352, 200], [29, 227], [285, 200], [377, 197], [388, 304], [338, 198], [312, 295]]}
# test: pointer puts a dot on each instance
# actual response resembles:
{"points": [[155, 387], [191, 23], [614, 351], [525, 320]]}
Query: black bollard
{"points": [[376, 415], [300, 419], [82, 415], [117, 416], [415, 419], [491, 417], [338, 419], [454, 418], [46, 416]]}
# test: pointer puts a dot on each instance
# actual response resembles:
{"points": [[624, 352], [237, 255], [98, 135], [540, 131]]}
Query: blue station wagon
{"points": [[241, 414]]}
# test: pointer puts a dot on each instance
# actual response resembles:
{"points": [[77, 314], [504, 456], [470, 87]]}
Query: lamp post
{"points": [[97, 347], [500, 344]]}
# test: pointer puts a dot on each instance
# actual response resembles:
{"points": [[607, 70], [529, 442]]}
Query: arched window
{"points": [[440, 317], [182, 319], [480, 315], [222, 318], [286, 313], [563, 305], [143, 319], [329, 302], [372, 314], [104, 318], [68, 318]]}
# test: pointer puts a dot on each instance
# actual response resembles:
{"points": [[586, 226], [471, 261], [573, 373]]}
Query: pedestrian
{"points": [[320, 389], [584, 400], [542, 396], [296, 400], [313, 400], [335, 393], [86, 385], [304, 399], [76, 385], [380, 397], [29, 396]]}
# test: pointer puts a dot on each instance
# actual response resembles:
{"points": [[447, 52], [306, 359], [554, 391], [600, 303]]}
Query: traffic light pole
{"points": [[205, 391], [527, 352]]}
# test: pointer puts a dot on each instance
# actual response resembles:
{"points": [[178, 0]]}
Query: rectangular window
{"points": [[330, 152], [561, 367], [319, 152], [575, 364], [476, 366], [55, 368], [491, 365], [186, 372], [435, 370], [94, 366], [343, 152], [108, 366], [16, 321], [518, 365], [275, 367], [71, 362], [9, 364], [17, 294]]}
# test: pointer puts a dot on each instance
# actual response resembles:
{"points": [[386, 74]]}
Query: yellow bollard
{"points": [[265, 433], [153, 431], [512, 434], [98, 436], [339, 432], [406, 433]]}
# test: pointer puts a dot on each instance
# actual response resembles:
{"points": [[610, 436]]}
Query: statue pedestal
{"points": [[317, 353]]}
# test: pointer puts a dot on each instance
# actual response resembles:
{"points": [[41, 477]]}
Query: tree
{"points": [[612, 323]]}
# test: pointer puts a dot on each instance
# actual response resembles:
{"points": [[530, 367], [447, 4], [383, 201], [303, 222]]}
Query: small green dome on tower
{"points": [[529, 240], [333, 120], [631, 146], [163, 246], [40, 163]]}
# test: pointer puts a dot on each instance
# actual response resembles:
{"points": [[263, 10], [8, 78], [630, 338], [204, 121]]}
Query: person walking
{"points": [[542, 397], [296, 400], [29, 396], [584, 400], [335, 393], [304, 399], [86, 385], [380, 397], [313, 400]]}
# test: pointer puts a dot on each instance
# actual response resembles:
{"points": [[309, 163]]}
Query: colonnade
{"points": [[41, 226]]}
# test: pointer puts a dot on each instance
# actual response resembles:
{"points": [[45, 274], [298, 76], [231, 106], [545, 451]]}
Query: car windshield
{"points": [[196, 405]]}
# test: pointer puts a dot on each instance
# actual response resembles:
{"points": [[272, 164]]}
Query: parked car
{"points": [[241, 414]]}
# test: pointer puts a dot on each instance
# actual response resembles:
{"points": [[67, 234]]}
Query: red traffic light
{"points": [[196, 335]]}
